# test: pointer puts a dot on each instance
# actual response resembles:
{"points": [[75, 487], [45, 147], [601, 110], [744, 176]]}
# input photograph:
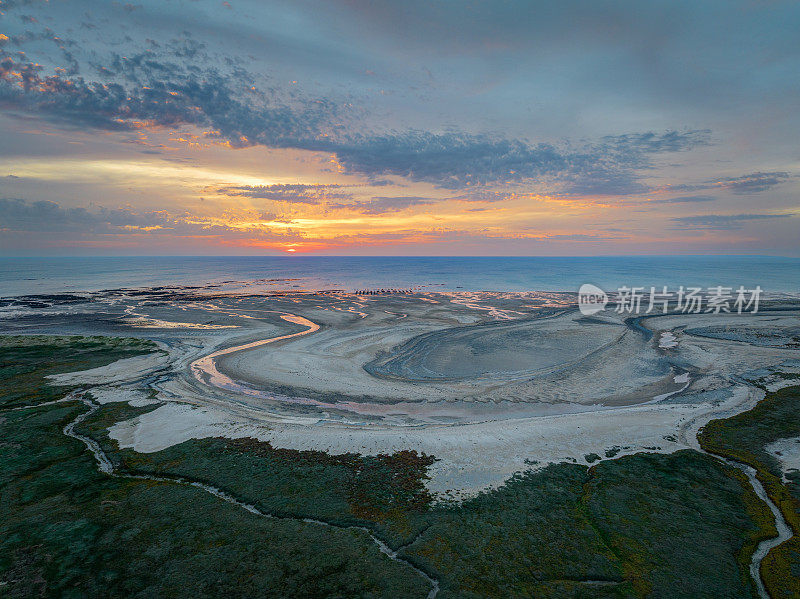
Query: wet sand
{"points": [[490, 384]]}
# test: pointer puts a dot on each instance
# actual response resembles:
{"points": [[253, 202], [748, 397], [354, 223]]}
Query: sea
{"points": [[44, 276]]}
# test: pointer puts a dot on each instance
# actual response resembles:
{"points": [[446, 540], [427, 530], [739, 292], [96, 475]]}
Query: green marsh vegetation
{"points": [[25, 361], [69, 531], [646, 525], [744, 438]]}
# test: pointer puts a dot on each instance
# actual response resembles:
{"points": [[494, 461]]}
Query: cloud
{"points": [[159, 93], [651, 142], [54, 225], [754, 182], [721, 222], [742, 184], [606, 182], [448, 160], [581, 237], [45, 215], [456, 160], [185, 47], [384, 205], [684, 200], [64, 224], [293, 192], [483, 195]]}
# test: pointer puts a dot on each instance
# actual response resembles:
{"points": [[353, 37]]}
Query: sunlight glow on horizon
{"points": [[478, 133]]}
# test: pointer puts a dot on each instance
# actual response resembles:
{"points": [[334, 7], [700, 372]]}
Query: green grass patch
{"points": [[744, 438], [25, 361], [385, 492], [69, 531], [683, 524], [646, 525]]}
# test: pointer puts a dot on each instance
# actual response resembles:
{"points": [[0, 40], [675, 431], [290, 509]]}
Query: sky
{"points": [[251, 127]]}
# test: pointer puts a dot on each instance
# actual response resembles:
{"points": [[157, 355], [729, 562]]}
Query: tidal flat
{"points": [[462, 444]]}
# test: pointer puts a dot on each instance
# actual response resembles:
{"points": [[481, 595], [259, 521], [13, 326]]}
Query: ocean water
{"points": [[30, 276]]}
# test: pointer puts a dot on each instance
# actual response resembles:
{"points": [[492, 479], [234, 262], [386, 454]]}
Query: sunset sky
{"points": [[399, 128]]}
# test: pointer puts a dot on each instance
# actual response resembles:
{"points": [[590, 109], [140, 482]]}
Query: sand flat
{"points": [[491, 384]]}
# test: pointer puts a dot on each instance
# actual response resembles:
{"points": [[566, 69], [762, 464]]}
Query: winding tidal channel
{"points": [[204, 369], [105, 466], [764, 547]]}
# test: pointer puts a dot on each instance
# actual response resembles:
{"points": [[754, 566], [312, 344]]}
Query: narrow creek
{"points": [[105, 466], [784, 531], [204, 369]]}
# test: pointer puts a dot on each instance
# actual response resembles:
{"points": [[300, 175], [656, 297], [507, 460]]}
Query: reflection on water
{"points": [[21, 276]]}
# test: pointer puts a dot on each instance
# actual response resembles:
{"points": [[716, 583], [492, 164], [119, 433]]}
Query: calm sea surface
{"points": [[26, 276]]}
